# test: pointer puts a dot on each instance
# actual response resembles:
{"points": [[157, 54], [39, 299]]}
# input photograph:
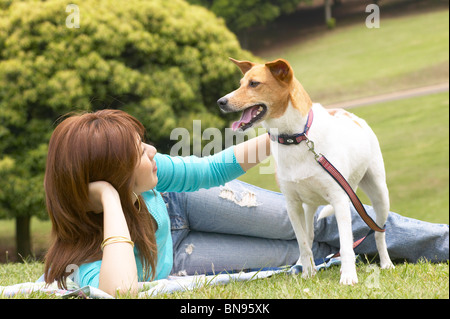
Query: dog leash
{"points": [[337, 176]]}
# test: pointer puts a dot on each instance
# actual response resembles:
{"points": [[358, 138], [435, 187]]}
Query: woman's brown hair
{"points": [[100, 146]]}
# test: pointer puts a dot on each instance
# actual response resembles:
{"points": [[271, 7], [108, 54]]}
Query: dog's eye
{"points": [[254, 84]]}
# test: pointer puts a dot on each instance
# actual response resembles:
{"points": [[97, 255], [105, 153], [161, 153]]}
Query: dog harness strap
{"points": [[294, 139], [327, 166]]}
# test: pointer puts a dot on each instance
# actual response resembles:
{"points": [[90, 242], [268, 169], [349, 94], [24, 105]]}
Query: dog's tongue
{"points": [[246, 117]]}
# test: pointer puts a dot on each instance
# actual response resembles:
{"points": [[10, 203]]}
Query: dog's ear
{"points": [[281, 70], [299, 98], [243, 65]]}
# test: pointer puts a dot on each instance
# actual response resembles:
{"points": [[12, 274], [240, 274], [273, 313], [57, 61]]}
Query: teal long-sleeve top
{"points": [[175, 174]]}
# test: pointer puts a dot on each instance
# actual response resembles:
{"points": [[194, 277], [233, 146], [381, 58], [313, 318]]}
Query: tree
{"points": [[243, 14], [161, 61]]}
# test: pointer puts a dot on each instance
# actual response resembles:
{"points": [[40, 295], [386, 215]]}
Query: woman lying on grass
{"points": [[122, 213]]}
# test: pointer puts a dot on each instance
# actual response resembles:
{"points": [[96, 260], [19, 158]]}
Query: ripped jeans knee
{"points": [[242, 197]]}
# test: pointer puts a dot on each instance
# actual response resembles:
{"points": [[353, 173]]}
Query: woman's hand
{"points": [[253, 151], [98, 193]]}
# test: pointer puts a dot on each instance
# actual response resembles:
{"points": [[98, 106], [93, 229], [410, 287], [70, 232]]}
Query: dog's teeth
{"points": [[260, 109]]}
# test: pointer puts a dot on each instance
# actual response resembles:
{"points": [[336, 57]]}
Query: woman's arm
{"points": [[253, 151], [118, 272], [190, 173]]}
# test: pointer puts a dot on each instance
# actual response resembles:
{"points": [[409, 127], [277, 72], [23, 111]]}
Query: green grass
{"points": [[414, 137], [354, 61], [422, 280], [14, 273]]}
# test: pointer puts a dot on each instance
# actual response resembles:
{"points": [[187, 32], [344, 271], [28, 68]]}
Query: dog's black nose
{"points": [[222, 102]]}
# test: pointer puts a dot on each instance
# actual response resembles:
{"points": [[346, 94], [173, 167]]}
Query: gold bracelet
{"points": [[116, 239]]}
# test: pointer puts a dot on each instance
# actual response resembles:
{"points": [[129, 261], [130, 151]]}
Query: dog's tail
{"points": [[326, 211]]}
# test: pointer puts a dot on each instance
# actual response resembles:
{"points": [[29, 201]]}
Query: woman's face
{"points": [[145, 171]]}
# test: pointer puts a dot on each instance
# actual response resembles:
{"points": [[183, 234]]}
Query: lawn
{"points": [[353, 61], [346, 63], [406, 281]]}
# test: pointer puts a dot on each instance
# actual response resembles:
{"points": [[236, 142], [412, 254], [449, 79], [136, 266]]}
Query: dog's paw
{"points": [[349, 278], [387, 265], [308, 272]]}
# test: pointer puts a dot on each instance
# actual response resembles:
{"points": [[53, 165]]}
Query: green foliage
{"points": [[331, 23], [242, 14], [161, 61]]}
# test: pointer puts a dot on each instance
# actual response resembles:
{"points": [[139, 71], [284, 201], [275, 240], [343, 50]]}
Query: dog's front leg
{"points": [[299, 224], [344, 221]]}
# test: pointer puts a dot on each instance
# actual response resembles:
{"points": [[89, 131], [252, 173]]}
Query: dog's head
{"points": [[265, 92]]}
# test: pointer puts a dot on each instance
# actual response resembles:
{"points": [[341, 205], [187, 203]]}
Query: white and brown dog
{"points": [[269, 93]]}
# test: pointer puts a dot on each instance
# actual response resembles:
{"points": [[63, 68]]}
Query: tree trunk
{"points": [[327, 11], [23, 237], [329, 20]]}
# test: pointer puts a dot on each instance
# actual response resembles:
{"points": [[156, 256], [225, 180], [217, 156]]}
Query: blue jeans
{"points": [[241, 226]]}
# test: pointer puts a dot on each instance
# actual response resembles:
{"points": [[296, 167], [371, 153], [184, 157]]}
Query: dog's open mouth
{"points": [[250, 116]]}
